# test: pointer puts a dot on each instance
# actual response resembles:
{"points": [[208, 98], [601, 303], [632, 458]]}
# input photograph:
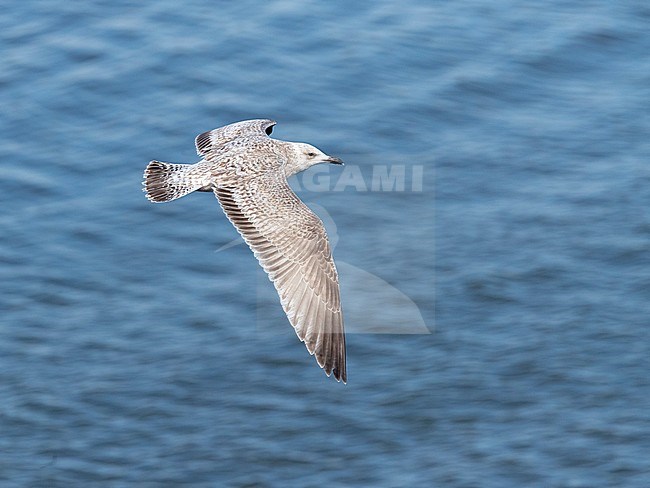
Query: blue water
{"points": [[133, 354]]}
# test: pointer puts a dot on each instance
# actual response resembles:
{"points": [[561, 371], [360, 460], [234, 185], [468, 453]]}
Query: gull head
{"points": [[303, 156]]}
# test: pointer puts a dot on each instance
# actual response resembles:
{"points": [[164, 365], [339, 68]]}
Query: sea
{"points": [[491, 228]]}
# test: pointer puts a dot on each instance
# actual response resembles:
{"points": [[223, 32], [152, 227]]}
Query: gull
{"points": [[247, 170]]}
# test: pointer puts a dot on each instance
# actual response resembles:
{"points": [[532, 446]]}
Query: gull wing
{"points": [[290, 243], [212, 141]]}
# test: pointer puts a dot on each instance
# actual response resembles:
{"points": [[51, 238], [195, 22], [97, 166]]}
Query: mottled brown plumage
{"points": [[248, 171]]}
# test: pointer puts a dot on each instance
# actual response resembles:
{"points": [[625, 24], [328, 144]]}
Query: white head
{"points": [[302, 156]]}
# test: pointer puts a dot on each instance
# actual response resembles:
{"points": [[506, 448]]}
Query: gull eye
{"points": [[311, 154]]}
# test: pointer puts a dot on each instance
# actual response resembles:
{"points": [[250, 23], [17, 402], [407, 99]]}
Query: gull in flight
{"points": [[247, 170]]}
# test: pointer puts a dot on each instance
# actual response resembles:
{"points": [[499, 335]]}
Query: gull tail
{"points": [[164, 182]]}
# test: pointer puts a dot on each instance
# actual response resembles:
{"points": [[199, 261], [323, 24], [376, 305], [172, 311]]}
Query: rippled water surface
{"points": [[497, 306]]}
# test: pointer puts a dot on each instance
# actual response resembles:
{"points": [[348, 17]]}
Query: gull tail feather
{"points": [[164, 182]]}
